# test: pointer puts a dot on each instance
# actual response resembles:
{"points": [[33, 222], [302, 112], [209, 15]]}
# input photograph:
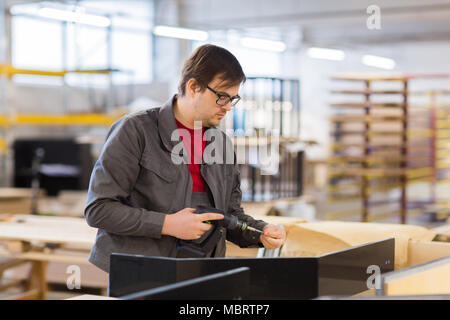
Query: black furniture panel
{"points": [[270, 278], [229, 285], [341, 272], [345, 271]]}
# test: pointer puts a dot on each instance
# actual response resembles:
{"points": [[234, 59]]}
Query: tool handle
{"points": [[229, 221]]}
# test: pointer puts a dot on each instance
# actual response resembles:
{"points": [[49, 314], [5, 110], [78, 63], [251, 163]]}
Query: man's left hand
{"points": [[273, 237]]}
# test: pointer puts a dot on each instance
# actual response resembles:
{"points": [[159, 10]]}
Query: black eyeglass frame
{"points": [[233, 100]]}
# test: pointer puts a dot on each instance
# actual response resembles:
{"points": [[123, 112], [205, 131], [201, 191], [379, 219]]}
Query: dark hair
{"points": [[208, 61]]}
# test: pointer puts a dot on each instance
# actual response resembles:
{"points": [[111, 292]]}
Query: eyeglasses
{"points": [[223, 99]]}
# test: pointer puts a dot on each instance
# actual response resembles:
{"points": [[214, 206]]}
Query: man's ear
{"points": [[192, 87]]}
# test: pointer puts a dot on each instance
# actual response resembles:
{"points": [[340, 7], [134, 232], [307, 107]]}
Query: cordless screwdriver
{"points": [[204, 245], [229, 221]]}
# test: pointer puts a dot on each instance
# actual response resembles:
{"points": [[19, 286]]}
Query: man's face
{"points": [[205, 106]]}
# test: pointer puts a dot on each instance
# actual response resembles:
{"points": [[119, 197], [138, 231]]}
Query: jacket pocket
{"points": [[159, 167]]}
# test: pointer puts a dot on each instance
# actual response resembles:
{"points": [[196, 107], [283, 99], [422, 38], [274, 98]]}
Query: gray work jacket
{"points": [[135, 184]]}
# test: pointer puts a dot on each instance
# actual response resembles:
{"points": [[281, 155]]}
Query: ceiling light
{"points": [[73, 16], [180, 33], [378, 62], [327, 54], [263, 44]]}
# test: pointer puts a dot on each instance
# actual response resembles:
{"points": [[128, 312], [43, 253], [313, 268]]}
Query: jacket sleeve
{"points": [[246, 239], [113, 178]]}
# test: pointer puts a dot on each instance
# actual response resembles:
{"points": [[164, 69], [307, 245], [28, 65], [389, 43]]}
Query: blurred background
{"points": [[357, 93]]}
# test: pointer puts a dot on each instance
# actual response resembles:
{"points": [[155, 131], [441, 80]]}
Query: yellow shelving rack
{"points": [[11, 121]]}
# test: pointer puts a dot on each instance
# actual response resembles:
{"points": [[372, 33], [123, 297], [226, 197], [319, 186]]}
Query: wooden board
{"points": [[92, 297], [315, 238], [431, 278], [233, 250], [379, 76], [368, 104], [424, 251], [363, 118], [57, 273], [16, 200], [369, 77], [60, 230], [374, 172], [262, 208], [370, 91], [444, 230], [417, 134], [67, 203], [15, 193], [375, 158]]}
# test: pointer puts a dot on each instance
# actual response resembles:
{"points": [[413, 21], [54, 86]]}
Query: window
{"points": [[132, 54], [38, 44]]}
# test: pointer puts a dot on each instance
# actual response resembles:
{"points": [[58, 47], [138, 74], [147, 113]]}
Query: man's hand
{"points": [[187, 225], [273, 237]]}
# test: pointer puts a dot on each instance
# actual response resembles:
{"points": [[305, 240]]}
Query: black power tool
{"points": [[206, 243]]}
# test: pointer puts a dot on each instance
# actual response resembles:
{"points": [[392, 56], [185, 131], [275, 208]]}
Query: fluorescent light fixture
{"points": [[180, 33], [263, 44], [378, 62], [18, 9], [73, 16], [327, 54]]}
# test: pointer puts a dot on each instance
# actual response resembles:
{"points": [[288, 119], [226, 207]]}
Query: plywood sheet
{"points": [[48, 229], [316, 238], [235, 251], [424, 251], [15, 193], [432, 281], [280, 220], [92, 297]]}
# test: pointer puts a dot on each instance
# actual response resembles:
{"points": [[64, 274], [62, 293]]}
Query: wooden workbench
{"points": [[16, 200], [40, 240]]}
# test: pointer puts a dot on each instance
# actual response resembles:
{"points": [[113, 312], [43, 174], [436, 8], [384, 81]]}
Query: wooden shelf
{"points": [[402, 154], [392, 145], [368, 104], [374, 158], [367, 119], [368, 77], [382, 172], [420, 133], [368, 92], [262, 140]]}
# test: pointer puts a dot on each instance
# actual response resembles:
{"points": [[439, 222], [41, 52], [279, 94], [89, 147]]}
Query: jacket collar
{"points": [[167, 124]]}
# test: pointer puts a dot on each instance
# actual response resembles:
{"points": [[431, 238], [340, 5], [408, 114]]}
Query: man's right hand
{"points": [[187, 225]]}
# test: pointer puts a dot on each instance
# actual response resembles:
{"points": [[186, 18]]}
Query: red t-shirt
{"points": [[198, 184]]}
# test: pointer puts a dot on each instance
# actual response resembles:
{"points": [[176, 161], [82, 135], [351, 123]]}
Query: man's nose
{"points": [[227, 107]]}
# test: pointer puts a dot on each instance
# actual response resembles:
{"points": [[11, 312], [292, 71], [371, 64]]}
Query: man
{"points": [[142, 199]]}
